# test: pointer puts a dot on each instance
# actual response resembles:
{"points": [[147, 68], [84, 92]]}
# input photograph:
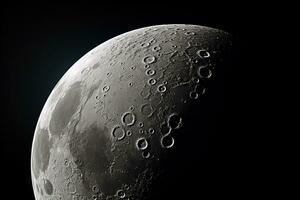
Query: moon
{"points": [[132, 117]]}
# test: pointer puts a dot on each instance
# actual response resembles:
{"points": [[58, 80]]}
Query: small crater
{"points": [[66, 162], [189, 33], [194, 95], [141, 144], [118, 132], [132, 67], [174, 121], [128, 118], [204, 72], [131, 108], [121, 194], [151, 131], [95, 189], [141, 124], [146, 109], [156, 48], [149, 59], [150, 72], [152, 41], [151, 81], [203, 53], [145, 44], [146, 154], [105, 88], [129, 133], [167, 142], [162, 88]]}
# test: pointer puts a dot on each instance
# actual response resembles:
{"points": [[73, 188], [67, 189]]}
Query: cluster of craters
{"points": [[131, 96]]}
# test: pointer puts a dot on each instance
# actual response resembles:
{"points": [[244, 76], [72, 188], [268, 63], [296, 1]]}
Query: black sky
{"points": [[39, 42]]}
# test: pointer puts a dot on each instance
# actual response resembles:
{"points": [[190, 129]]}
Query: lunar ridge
{"points": [[126, 115]]}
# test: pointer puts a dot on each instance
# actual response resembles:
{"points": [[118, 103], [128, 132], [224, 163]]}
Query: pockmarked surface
{"points": [[114, 120]]}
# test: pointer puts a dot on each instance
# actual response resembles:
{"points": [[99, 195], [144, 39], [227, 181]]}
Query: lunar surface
{"points": [[131, 118]]}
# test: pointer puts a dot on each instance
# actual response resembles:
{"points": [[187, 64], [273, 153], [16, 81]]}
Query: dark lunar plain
{"points": [[39, 42]]}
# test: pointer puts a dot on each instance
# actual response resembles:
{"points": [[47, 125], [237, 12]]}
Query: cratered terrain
{"points": [[131, 118]]}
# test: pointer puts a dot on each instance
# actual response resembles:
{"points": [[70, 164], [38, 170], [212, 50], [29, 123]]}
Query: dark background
{"points": [[39, 42]]}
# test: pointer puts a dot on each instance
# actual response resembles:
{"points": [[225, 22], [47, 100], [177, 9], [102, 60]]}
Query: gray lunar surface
{"points": [[125, 111]]}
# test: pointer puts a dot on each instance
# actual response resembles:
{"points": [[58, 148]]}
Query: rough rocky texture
{"points": [[131, 114]]}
